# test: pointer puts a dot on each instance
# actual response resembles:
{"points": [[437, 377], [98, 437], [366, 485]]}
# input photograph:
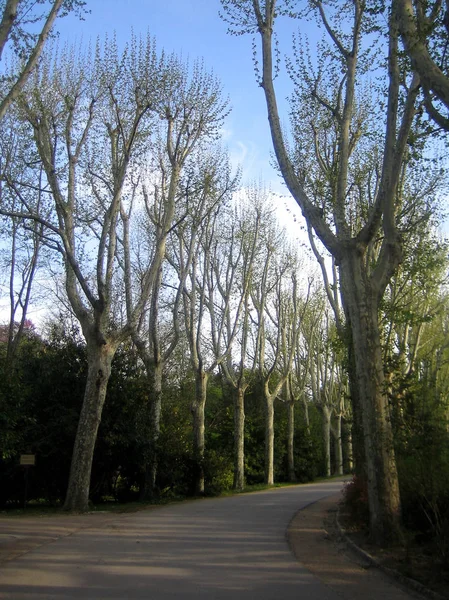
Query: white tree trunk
{"points": [[239, 439], [198, 406], [291, 442], [269, 439]]}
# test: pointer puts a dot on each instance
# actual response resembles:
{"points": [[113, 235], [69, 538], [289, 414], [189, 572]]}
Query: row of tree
{"points": [[111, 159], [357, 133]]}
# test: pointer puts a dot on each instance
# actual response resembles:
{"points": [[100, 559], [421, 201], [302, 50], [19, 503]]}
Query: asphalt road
{"points": [[233, 548]]}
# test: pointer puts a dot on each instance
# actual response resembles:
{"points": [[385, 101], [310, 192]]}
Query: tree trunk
{"points": [[338, 446], [154, 372], [269, 440], [291, 442], [239, 438], [358, 441], [306, 413], [326, 412], [99, 370], [348, 460], [382, 480], [198, 406]]}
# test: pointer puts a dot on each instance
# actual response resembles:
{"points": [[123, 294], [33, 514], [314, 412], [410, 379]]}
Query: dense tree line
{"points": [[204, 353]]}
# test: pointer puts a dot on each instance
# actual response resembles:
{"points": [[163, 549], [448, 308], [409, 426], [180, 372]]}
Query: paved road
{"points": [[233, 548]]}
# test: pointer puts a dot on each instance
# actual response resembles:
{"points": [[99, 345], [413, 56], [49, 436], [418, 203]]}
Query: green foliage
{"points": [[40, 402], [41, 399], [309, 447], [422, 446]]}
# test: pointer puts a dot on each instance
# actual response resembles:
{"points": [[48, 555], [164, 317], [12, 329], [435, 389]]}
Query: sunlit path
{"points": [[216, 548]]}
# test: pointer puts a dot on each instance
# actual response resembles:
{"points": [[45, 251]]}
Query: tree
{"points": [[276, 314], [363, 281], [210, 189], [326, 380], [22, 251], [18, 29], [424, 28], [92, 120], [242, 256], [194, 111]]}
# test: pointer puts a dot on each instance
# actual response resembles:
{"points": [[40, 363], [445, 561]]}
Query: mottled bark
{"points": [[336, 432], [99, 370], [326, 413], [291, 441], [239, 439], [381, 473], [358, 442], [198, 406], [269, 439], [348, 462]]}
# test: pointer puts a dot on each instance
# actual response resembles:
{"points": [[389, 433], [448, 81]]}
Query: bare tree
{"points": [[92, 120], [234, 274], [22, 239], [275, 301]]}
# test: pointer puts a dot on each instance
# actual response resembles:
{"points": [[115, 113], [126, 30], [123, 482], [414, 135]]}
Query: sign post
{"points": [[27, 461]]}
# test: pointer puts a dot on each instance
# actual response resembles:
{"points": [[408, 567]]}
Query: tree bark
{"points": [[348, 463], [291, 442], [358, 442], [269, 439], [198, 406], [383, 489], [239, 439], [338, 446], [154, 377], [100, 357], [326, 412]]}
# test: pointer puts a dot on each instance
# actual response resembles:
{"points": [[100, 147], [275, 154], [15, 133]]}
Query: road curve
{"points": [[233, 548]]}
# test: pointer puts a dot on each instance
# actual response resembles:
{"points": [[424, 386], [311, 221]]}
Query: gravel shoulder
{"points": [[317, 543]]}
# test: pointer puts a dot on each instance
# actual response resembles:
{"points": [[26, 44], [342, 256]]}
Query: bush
{"points": [[355, 498]]}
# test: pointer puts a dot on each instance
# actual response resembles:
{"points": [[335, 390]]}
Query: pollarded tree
{"points": [[194, 109], [240, 252], [18, 33], [209, 187], [336, 84], [92, 119]]}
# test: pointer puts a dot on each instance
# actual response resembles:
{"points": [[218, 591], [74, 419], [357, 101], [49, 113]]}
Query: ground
{"points": [[313, 534], [343, 557]]}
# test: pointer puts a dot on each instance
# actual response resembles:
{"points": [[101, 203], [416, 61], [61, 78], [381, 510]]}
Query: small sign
{"points": [[28, 459]]}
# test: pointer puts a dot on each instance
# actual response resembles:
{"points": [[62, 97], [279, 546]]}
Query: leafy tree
{"points": [[94, 120], [424, 28], [194, 110], [18, 32]]}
